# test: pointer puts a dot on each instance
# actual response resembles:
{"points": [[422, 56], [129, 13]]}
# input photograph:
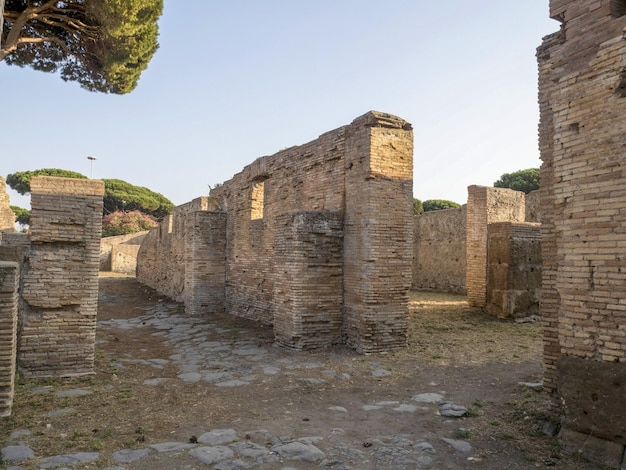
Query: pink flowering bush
{"points": [[122, 223]]}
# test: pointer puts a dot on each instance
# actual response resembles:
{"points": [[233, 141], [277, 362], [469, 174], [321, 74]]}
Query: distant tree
{"points": [[20, 181], [118, 194], [22, 216], [522, 180], [418, 207], [122, 196], [439, 204], [104, 45], [123, 223]]}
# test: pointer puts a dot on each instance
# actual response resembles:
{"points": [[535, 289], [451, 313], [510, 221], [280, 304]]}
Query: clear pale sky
{"points": [[236, 80]]}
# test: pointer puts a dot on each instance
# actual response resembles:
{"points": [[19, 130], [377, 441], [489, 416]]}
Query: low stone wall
{"points": [[127, 255], [514, 269], [439, 241], [9, 283]]}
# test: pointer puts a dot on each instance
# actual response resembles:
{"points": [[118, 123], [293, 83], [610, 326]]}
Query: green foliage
{"points": [[122, 196], [439, 204], [123, 223], [418, 207], [22, 216], [118, 194], [104, 45], [522, 180], [20, 181]]}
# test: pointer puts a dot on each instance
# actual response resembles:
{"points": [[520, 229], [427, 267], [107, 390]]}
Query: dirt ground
{"points": [[470, 358]]}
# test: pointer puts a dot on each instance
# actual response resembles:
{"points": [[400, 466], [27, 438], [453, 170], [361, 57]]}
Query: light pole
{"points": [[92, 158]]}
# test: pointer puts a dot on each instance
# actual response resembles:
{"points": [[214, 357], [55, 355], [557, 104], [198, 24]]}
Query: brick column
{"points": [[205, 262], [308, 268], [9, 281], [378, 231], [60, 289]]}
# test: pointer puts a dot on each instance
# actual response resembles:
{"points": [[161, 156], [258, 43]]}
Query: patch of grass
{"points": [[461, 433]]}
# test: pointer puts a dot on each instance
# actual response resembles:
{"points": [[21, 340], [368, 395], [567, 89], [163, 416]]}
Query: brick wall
{"points": [[60, 278], [363, 172], [7, 218], [514, 269], [439, 258], [9, 283], [583, 104], [107, 244], [161, 258], [486, 205]]}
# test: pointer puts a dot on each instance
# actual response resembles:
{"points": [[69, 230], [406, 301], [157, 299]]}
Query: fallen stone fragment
{"points": [[211, 455], [68, 459], [451, 410], [218, 436], [338, 408], [537, 386], [130, 455], [427, 398], [171, 446], [299, 451], [76, 392], [460, 446], [249, 449], [19, 433], [16, 454]]}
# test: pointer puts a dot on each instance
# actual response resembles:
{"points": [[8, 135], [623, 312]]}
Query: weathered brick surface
{"points": [[9, 283], [107, 244], [583, 195], [308, 251], [486, 206], [205, 270], [7, 218], [363, 172], [514, 269], [439, 257], [161, 258], [60, 278]]}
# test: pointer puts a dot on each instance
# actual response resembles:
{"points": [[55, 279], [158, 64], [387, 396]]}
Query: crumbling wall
{"points": [[514, 269], [60, 278], [9, 284], [533, 207], [335, 213], [485, 206], [439, 258], [161, 258], [582, 94], [7, 217], [127, 261]]}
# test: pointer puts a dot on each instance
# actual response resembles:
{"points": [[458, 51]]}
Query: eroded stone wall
{"points": [[9, 284], [161, 258], [486, 205], [514, 269], [125, 263], [335, 212], [60, 278], [582, 94], [439, 258], [7, 217]]}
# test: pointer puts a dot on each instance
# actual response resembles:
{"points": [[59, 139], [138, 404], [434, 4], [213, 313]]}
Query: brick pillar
{"points": [[60, 280], [308, 268], [7, 217], [378, 231], [9, 281], [205, 262], [485, 206]]}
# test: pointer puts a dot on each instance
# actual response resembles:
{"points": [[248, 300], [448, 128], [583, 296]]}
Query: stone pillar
{"points": [[514, 269], [308, 267], [60, 279], [378, 231], [205, 262], [486, 205], [9, 281]]}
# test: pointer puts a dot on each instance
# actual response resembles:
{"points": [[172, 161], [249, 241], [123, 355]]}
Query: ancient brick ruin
{"points": [[582, 91], [315, 240], [49, 281], [503, 263], [7, 217]]}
